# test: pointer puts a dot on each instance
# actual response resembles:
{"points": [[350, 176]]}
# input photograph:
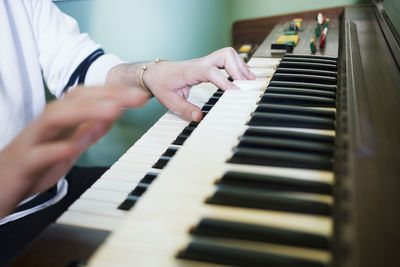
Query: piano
{"points": [[299, 168]]}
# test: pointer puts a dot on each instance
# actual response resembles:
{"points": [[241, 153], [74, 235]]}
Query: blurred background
{"points": [[138, 30]]}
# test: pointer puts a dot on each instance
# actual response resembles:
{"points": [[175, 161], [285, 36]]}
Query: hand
{"points": [[41, 154], [170, 82]]}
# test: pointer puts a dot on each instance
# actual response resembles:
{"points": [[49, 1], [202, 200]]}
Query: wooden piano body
{"points": [[168, 216]]}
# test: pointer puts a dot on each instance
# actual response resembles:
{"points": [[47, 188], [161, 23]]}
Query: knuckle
{"points": [[230, 50], [210, 72]]}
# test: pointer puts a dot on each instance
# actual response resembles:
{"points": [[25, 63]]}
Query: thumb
{"points": [[178, 104]]}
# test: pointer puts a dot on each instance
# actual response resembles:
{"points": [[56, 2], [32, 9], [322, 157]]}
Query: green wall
{"points": [[138, 30]]}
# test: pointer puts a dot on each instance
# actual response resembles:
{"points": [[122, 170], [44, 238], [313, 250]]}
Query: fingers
{"points": [[44, 165], [232, 67], [244, 68], [216, 77], [88, 133], [125, 96], [65, 114], [228, 58], [40, 158], [100, 104], [179, 104]]}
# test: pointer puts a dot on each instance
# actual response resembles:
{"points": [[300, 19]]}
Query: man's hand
{"points": [[170, 82], [38, 157]]}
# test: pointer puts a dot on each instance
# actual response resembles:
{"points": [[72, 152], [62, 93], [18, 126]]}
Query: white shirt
{"points": [[39, 43]]}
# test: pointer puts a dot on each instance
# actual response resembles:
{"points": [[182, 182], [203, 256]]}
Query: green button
{"points": [[312, 47], [317, 31], [290, 32]]}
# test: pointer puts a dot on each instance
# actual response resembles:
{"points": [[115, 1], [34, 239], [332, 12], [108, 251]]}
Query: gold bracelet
{"points": [[143, 68]]}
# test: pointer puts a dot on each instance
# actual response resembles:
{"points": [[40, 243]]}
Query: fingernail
{"points": [[195, 116]]}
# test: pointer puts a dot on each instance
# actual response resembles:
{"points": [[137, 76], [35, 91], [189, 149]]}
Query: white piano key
{"points": [[259, 62], [144, 148], [251, 85], [121, 175], [263, 72], [136, 157], [114, 185], [127, 166], [92, 221], [104, 195], [97, 208]]}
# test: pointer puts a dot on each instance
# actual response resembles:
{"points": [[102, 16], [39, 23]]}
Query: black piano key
{"points": [[212, 100], [296, 110], [180, 139], [267, 200], [128, 203], [285, 144], [133, 196], [281, 183], [307, 65], [170, 152], [161, 162], [149, 178], [193, 124], [253, 232], [218, 93], [187, 130], [206, 107], [301, 91], [204, 113], [307, 71], [288, 120], [280, 158], [307, 78], [311, 60], [317, 86], [300, 100], [288, 134], [310, 56], [139, 190], [239, 257]]}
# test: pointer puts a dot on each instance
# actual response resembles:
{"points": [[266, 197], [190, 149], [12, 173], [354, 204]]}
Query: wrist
{"points": [[143, 70]]}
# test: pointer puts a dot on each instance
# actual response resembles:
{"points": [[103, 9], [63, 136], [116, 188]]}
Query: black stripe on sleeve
{"points": [[39, 199], [80, 72]]}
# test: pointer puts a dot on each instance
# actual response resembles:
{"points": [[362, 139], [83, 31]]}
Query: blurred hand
{"points": [[48, 147]]}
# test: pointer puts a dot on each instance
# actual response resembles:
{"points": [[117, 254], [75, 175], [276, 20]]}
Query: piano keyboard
{"points": [[252, 184], [104, 205]]}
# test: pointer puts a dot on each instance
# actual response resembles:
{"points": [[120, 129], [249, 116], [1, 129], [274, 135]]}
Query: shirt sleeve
{"points": [[61, 48]]}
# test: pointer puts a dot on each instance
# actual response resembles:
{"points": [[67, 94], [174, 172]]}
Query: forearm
{"points": [[125, 74]]}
